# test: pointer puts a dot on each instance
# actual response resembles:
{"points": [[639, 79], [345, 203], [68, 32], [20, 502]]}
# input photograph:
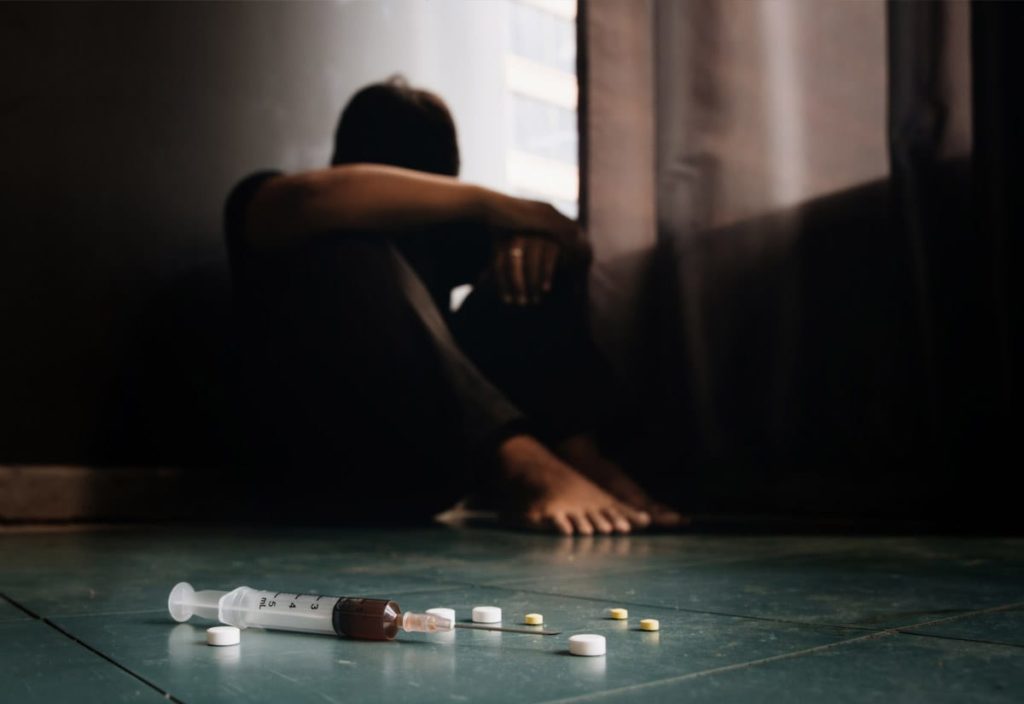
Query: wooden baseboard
{"points": [[51, 493]]}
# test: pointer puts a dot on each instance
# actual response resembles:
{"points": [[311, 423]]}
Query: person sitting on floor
{"points": [[364, 382]]}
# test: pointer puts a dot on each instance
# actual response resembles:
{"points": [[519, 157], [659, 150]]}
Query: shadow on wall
{"points": [[171, 405], [165, 441]]}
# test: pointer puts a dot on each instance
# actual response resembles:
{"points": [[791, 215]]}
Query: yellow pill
{"points": [[649, 624], [533, 619], [618, 614]]}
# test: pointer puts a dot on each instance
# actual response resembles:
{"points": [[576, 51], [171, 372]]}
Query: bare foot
{"points": [[582, 452], [543, 492]]}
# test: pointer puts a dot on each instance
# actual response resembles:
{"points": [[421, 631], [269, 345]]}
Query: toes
{"points": [[562, 523], [540, 521], [618, 520], [639, 518], [583, 526], [602, 524]]}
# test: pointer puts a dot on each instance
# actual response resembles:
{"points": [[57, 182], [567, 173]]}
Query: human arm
{"points": [[289, 209]]}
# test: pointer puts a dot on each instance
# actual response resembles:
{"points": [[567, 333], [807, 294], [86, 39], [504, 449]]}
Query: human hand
{"points": [[524, 268], [508, 216]]}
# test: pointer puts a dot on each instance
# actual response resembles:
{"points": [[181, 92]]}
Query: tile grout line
{"points": [[909, 632], [774, 658], [912, 629], [164, 693], [18, 606]]}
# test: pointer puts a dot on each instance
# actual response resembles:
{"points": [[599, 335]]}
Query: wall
{"points": [[123, 127]]}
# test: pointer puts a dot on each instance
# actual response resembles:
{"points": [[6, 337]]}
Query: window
{"points": [[535, 72], [540, 76]]}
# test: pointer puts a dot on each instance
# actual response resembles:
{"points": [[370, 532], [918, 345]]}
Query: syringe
{"points": [[355, 617]]}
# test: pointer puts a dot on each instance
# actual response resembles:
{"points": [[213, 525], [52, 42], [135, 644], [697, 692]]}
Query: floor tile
{"points": [[871, 588], [722, 601], [891, 669], [39, 664], [465, 666], [65, 574], [1004, 626]]}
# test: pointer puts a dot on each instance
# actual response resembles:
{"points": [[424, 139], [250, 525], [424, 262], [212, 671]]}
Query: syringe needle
{"points": [[485, 627]]}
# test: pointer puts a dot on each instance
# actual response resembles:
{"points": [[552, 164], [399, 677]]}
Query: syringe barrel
{"points": [[366, 619], [244, 607], [308, 613]]}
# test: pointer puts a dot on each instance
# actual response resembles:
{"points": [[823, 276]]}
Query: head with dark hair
{"points": [[394, 123]]}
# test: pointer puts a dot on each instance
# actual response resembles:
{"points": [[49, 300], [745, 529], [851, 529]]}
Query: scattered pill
{"points": [[223, 635], [486, 614], [649, 624], [443, 612], [533, 620], [587, 644], [618, 614]]}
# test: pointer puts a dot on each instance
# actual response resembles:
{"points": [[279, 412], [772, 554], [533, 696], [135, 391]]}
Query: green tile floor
{"points": [[744, 619]]}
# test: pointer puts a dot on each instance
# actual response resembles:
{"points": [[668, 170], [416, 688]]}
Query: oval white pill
{"points": [[486, 614], [223, 635], [587, 644], [443, 612]]}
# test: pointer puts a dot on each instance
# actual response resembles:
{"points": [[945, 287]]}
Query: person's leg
{"points": [[445, 257], [361, 379], [541, 355], [359, 356]]}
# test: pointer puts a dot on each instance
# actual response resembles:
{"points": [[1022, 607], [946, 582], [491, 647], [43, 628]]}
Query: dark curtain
{"points": [[960, 220], [835, 312]]}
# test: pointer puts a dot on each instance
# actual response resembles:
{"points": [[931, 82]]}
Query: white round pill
{"points": [[486, 614], [223, 635], [443, 612], [587, 644]]}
